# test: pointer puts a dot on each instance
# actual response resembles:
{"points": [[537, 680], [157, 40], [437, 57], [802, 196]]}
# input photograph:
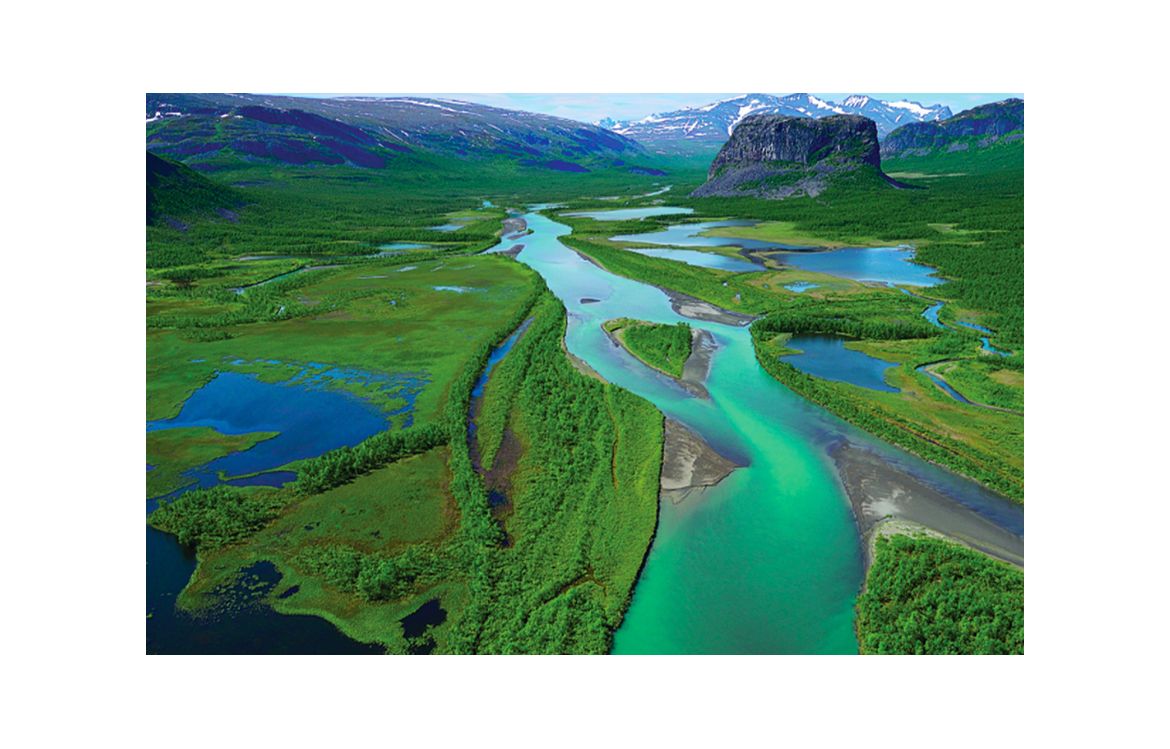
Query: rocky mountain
{"points": [[209, 131], [979, 127], [709, 126], [773, 156]]}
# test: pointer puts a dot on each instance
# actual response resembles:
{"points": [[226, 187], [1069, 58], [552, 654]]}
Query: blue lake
{"points": [[882, 264], [446, 227], [825, 356], [703, 259], [310, 419], [628, 214]]}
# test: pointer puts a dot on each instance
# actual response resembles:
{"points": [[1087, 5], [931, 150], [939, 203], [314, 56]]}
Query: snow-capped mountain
{"points": [[711, 125]]}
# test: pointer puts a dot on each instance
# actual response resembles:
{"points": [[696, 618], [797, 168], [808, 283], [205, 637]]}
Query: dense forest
{"points": [[928, 596]]}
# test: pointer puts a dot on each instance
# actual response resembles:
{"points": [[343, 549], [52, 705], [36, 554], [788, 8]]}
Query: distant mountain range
{"points": [[978, 127], [213, 131], [708, 127]]}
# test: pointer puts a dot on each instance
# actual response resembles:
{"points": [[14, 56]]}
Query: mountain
{"points": [[773, 156], [174, 191], [210, 131], [709, 126], [979, 127]]}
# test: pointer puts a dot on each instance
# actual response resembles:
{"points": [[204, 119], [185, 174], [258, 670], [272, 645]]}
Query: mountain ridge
{"points": [[710, 125], [978, 127], [208, 131]]}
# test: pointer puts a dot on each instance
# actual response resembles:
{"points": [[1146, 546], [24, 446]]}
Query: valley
{"points": [[597, 411]]}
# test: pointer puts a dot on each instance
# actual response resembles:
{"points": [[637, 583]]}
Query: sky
{"points": [[592, 107]]}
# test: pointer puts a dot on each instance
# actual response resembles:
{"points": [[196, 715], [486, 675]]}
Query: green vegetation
{"points": [[173, 451], [347, 463], [210, 518], [663, 347], [175, 190], [382, 316], [366, 534], [968, 222], [928, 596]]}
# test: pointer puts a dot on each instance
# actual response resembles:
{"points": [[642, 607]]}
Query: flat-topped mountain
{"points": [[979, 127], [773, 156]]}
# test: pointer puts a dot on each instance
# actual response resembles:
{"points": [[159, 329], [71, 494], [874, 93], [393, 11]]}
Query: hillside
{"points": [[980, 127], [777, 157], [211, 131], [175, 191]]}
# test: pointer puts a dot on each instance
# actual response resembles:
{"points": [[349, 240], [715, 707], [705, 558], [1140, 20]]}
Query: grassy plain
{"points": [[366, 548], [172, 451]]}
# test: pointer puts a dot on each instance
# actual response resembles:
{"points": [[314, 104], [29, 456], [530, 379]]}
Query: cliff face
{"points": [[979, 127], [777, 157]]}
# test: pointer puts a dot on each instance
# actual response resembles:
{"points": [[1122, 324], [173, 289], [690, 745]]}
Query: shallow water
{"points": [[931, 314], [769, 560], [628, 214], [825, 356], [702, 259], [943, 384], [801, 286], [986, 339]]}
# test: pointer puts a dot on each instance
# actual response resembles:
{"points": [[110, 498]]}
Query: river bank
{"points": [[689, 463], [880, 492]]}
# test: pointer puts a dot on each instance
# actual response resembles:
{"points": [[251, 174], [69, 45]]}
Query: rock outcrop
{"points": [[773, 156], [979, 127]]}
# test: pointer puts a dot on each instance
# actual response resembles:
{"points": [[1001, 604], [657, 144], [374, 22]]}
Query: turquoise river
{"points": [[768, 560]]}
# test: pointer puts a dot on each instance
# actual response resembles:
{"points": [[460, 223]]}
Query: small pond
{"points": [[825, 356], [801, 286]]}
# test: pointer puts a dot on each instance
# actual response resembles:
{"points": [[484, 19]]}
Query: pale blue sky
{"points": [[590, 107]]}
